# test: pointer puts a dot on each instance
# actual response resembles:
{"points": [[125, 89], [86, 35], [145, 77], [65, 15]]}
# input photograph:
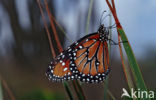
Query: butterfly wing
{"points": [[58, 70], [87, 60], [90, 59]]}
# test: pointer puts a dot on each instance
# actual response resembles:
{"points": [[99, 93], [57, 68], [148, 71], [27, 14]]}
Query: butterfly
{"points": [[86, 60]]}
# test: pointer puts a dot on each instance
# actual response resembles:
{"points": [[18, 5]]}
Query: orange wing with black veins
{"points": [[91, 59]]}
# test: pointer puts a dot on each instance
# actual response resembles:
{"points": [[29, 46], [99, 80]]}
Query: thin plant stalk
{"points": [[110, 94], [109, 49], [53, 26], [6, 87], [1, 91], [46, 27], [66, 86], [59, 46], [131, 57], [78, 90], [88, 16], [59, 26], [125, 67], [81, 92]]}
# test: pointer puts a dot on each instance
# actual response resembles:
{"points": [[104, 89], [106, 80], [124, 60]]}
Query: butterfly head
{"points": [[103, 32]]}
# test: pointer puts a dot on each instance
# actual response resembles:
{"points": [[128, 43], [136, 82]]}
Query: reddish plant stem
{"points": [[51, 18], [114, 13], [47, 31], [56, 37], [53, 26], [113, 10], [4, 83], [115, 16], [113, 5], [58, 43], [121, 55]]}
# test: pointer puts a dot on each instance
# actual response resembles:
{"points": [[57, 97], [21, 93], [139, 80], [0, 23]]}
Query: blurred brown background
{"points": [[25, 52]]}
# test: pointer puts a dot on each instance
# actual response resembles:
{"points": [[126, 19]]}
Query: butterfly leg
{"points": [[116, 43], [112, 26]]}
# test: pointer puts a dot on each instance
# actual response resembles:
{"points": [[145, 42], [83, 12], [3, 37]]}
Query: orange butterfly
{"points": [[86, 60]]}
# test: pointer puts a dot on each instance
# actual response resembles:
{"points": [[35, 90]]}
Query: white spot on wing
{"points": [[68, 73], [63, 63], [50, 67], [80, 47], [74, 54], [63, 56], [52, 71], [65, 69]]}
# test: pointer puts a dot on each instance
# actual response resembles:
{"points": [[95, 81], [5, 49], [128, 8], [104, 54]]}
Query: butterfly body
{"points": [[86, 60]]}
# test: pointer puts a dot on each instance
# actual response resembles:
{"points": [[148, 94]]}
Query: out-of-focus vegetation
{"points": [[42, 95], [24, 60]]}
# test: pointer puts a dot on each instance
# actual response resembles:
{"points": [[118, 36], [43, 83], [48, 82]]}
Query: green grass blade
{"points": [[68, 90], [106, 89], [1, 91], [78, 90], [127, 73], [110, 94], [133, 63]]}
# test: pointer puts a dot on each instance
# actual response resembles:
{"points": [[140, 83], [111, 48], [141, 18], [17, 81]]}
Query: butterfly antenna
{"points": [[106, 16], [101, 19], [102, 16]]}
